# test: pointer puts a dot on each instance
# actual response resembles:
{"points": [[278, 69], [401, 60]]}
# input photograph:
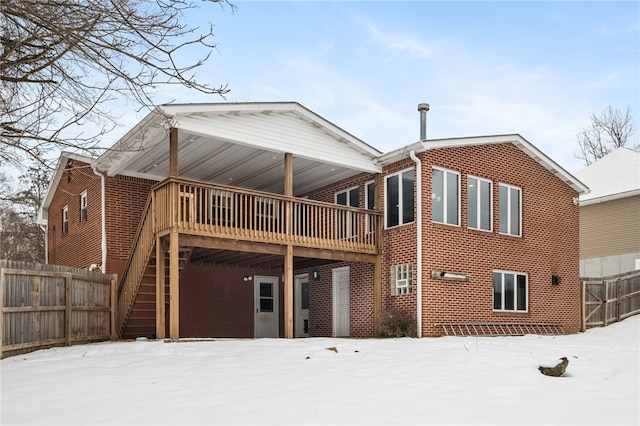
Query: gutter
{"points": [[103, 220], [413, 156]]}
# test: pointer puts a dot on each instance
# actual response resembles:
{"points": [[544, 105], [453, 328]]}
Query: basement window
{"points": [[401, 279], [510, 291]]}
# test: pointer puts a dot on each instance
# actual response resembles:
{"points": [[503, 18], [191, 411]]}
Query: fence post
{"points": [[114, 307], [618, 282], [2, 279], [606, 304], [68, 305], [583, 307]]}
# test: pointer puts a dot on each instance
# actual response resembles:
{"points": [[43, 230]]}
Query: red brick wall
{"points": [[126, 198], [80, 247], [548, 245], [361, 319], [398, 247]]}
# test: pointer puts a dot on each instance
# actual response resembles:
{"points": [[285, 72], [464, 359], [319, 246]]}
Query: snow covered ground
{"points": [[449, 380]]}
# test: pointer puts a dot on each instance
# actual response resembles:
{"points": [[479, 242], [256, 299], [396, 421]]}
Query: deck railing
{"points": [[197, 208], [143, 245], [204, 209]]}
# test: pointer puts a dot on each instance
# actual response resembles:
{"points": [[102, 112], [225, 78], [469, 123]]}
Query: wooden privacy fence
{"points": [[610, 299], [46, 305]]}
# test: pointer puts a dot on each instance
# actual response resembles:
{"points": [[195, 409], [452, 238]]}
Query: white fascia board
{"points": [[611, 197], [148, 132], [514, 139], [173, 110], [65, 156], [282, 145], [184, 110]]}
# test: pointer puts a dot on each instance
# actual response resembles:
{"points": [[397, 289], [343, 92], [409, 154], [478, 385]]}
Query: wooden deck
{"points": [[201, 209], [229, 218]]}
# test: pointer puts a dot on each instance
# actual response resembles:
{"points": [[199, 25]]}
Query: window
{"points": [[370, 201], [222, 208], [510, 211], [348, 221], [445, 196], [399, 199], [510, 291], [83, 207], [479, 203], [401, 279], [65, 220]]}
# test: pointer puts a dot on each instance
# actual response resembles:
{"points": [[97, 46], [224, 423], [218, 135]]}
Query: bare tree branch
{"points": [[607, 131], [63, 61]]}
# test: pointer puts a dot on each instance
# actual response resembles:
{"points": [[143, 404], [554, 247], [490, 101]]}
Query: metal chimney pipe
{"points": [[423, 108]]}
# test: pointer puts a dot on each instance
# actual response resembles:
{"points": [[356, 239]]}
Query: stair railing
{"points": [[143, 245]]}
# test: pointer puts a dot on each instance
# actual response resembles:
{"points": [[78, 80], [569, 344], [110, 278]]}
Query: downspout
{"points": [[423, 108], [103, 219], [413, 156]]}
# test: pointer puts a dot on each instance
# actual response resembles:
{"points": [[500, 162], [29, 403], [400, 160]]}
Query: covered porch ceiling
{"points": [[243, 145]]}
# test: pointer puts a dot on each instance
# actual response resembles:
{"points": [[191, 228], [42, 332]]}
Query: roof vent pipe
{"points": [[423, 108]]}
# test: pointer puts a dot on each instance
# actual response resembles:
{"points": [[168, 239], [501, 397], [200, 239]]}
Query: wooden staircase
{"points": [[136, 310], [142, 318]]}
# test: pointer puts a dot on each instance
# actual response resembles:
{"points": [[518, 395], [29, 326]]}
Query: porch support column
{"points": [[377, 271], [288, 259], [174, 257], [160, 295], [174, 286], [173, 152]]}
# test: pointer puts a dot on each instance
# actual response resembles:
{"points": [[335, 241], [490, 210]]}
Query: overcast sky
{"points": [[539, 69]]}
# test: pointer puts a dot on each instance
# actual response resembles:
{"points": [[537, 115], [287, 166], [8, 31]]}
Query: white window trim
{"points": [[65, 219], [400, 199], [347, 191], [444, 215], [84, 206], [401, 279], [506, 185], [513, 311], [490, 182]]}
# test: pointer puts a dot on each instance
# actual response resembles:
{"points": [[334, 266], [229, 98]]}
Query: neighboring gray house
{"points": [[610, 215]]}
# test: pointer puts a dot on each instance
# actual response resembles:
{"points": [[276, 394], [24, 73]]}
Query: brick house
{"points": [[266, 220]]}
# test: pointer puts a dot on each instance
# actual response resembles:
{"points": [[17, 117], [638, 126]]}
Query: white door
{"points": [[301, 293], [341, 301], [266, 305]]}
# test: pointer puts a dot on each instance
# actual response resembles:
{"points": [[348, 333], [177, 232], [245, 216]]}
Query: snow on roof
{"points": [[615, 175]]}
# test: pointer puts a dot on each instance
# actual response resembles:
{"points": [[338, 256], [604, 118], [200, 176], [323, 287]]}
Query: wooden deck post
{"points": [[174, 286], [288, 260], [173, 152], [160, 294]]}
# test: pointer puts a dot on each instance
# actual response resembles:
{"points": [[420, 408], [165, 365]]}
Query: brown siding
{"points": [[610, 228], [215, 301]]}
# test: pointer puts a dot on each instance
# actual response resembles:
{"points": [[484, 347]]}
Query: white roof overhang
{"points": [[241, 144], [43, 213]]}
